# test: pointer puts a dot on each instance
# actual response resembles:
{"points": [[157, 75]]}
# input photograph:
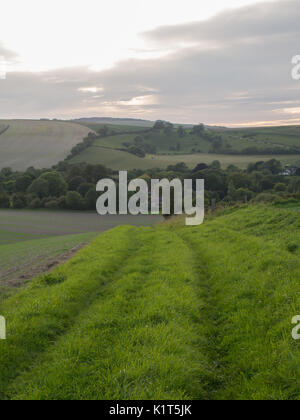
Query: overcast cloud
{"points": [[234, 68]]}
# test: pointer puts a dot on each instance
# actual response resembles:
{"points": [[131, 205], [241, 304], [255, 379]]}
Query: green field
{"points": [[31, 241], [168, 312], [284, 136], [37, 143], [119, 160]]}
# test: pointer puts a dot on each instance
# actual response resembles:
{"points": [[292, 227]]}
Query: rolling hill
{"points": [[37, 143]]}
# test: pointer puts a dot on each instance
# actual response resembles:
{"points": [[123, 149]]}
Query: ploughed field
{"points": [[164, 312], [25, 143]]}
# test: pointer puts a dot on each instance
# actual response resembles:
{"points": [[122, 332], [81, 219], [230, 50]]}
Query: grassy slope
{"points": [[165, 312], [111, 127], [118, 160], [287, 136], [38, 143]]}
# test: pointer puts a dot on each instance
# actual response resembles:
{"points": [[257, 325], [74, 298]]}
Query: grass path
{"points": [[137, 340], [163, 313]]}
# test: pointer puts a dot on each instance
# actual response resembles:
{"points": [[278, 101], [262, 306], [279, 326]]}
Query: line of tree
{"points": [[73, 187]]}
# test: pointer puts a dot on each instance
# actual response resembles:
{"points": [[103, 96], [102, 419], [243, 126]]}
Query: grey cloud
{"points": [[278, 18], [246, 78]]}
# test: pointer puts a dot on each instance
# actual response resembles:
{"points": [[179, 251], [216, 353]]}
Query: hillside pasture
{"points": [[264, 136], [119, 160], [37, 143]]}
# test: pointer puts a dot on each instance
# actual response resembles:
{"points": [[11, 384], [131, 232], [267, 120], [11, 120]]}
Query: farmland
{"points": [[119, 160], [163, 148], [168, 312], [284, 136], [37, 143], [33, 241]]}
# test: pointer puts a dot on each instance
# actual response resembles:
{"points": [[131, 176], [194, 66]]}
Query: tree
{"points": [[56, 184], [216, 164], [99, 172], [280, 186], [103, 131], [23, 182], [200, 167], [91, 199], [198, 130], [243, 194], [168, 129], [274, 166], [4, 199], [6, 172], [39, 187], [84, 188], [181, 131], [18, 201], [74, 201], [231, 191], [75, 182], [159, 125]]}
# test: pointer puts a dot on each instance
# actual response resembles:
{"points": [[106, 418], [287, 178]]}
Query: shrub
{"points": [[18, 201], [74, 201], [52, 204], [266, 198], [35, 203]]}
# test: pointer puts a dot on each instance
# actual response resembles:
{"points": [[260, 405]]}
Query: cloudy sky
{"points": [[189, 61]]}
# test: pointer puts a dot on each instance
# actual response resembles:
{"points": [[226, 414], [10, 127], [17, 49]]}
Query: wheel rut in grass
{"points": [[140, 341], [40, 314], [209, 328]]}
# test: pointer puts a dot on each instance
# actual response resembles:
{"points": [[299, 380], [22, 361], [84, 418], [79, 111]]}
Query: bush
{"points": [[18, 201], [280, 186], [52, 204], [266, 198], [4, 200], [35, 203], [74, 201]]}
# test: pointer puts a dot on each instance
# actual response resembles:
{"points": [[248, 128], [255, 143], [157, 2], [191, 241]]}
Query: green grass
{"points": [[37, 143], [261, 137], [169, 312], [119, 160]]}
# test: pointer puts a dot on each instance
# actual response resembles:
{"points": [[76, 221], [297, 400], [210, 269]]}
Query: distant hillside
{"points": [[132, 122], [40, 144], [116, 121]]}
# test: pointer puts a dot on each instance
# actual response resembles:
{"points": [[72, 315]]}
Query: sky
{"points": [[223, 63]]}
